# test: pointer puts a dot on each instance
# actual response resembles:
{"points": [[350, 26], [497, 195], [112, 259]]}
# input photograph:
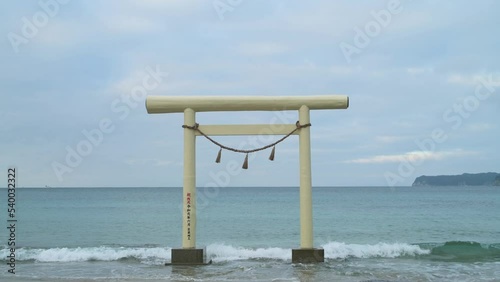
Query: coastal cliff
{"points": [[466, 179]]}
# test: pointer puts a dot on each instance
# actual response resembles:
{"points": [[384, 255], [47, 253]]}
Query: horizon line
{"points": [[319, 186]]}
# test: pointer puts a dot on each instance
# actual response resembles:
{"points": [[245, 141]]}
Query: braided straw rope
{"points": [[196, 127]]}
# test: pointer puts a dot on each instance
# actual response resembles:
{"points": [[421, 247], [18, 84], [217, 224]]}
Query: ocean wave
{"points": [[103, 253], [337, 250], [464, 251], [460, 251], [221, 252]]}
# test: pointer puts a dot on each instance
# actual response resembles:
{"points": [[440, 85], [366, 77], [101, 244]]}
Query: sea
{"points": [[367, 233]]}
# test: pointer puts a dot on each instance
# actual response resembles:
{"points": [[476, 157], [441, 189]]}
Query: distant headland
{"points": [[466, 179]]}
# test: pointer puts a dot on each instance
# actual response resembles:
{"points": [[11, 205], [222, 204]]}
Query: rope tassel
{"points": [[271, 157], [217, 160], [245, 163]]}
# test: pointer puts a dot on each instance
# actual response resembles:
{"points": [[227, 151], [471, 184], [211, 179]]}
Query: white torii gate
{"points": [[192, 104]]}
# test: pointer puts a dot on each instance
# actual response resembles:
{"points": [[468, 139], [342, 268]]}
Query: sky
{"points": [[423, 79]]}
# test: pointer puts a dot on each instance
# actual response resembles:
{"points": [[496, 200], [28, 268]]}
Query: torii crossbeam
{"points": [[188, 254]]}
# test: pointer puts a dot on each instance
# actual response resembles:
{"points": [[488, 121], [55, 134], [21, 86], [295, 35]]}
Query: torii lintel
{"points": [[177, 104]]}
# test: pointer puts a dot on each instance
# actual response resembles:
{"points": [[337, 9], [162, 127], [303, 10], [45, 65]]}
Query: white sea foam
{"points": [[148, 255], [333, 250], [220, 252], [216, 252], [337, 250]]}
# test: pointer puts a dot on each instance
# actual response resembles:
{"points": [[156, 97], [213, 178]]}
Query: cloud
{"points": [[66, 78], [125, 84], [474, 79], [145, 162], [344, 70], [262, 49], [411, 156], [480, 127], [387, 139], [130, 24], [418, 71]]}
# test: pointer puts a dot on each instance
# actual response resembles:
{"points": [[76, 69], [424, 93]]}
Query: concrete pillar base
{"points": [[308, 255], [189, 257]]}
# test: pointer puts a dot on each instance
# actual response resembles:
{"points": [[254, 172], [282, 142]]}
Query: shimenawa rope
{"points": [[245, 163]]}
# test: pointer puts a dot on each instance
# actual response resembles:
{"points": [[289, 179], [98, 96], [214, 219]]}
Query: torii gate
{"points": [[188, 254]]}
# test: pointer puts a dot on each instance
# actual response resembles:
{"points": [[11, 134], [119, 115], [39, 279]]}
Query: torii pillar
{"points": [[189, 254]]}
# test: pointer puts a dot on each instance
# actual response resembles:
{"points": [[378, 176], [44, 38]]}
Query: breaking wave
{"points": [[216, 252]]}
